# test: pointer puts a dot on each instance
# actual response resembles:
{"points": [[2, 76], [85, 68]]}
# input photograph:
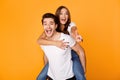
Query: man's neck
{"points": [[55, 36]]}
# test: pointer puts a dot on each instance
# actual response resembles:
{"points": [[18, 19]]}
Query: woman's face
{"points": [[63, 16]]}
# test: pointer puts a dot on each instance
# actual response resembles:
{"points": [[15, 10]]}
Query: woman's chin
{"points": [[63, 22]]}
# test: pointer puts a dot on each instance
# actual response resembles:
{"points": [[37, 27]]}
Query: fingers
{"points": [[79, 38], [64, 45]]}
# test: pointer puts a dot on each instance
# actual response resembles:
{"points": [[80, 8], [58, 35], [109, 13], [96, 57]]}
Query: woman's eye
{"points": [[60, 13], [66, 13]]}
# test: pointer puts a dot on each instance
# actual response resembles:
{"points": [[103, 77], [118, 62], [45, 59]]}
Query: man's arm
{"points": [[81, 53]]}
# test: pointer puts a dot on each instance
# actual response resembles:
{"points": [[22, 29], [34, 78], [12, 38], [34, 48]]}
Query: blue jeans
{"points": [[77, 69], [43, 73]]}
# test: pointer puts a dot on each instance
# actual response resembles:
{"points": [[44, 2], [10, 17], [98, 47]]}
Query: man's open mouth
{"points": [[48, 31]]}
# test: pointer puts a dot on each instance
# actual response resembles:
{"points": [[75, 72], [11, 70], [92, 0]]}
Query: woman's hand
{"points": [[79, 38], [76, 36]]}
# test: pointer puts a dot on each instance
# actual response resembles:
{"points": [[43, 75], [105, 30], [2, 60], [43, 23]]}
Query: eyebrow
{"points": [[51, 21], [44, 21]]}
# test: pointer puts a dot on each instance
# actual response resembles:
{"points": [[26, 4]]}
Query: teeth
{"points": [[48, 31], [63, 19]]}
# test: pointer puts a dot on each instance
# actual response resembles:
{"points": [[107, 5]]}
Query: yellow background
{"points": [[98, 22]]}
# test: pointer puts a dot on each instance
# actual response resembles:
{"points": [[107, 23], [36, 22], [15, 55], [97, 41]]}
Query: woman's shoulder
{"points": [[63, 34], [72, 24]]}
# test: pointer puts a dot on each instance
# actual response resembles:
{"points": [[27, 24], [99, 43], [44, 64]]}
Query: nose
{"points": [[48, 26], [63, 15]]}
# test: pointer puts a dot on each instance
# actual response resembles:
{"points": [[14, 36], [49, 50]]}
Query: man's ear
{"points": [[56, 26]]}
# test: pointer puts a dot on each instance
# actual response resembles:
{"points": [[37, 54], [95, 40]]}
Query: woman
{"points": [[67, 27]]}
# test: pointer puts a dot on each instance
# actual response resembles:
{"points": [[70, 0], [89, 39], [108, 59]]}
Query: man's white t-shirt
{"points": [[60, 63]]}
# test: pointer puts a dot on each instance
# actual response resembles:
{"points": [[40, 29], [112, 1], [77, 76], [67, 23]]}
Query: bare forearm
{"points": [[73, 34], [45, 42], [82, 58]]}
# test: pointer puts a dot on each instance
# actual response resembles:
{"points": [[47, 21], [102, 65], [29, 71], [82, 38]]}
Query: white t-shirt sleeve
{"points": [[72, 24]]}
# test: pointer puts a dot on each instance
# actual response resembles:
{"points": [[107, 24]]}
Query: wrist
{"points": [[54, 43]]}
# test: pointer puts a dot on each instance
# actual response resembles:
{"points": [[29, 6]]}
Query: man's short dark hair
{"points": [[50, 15]]}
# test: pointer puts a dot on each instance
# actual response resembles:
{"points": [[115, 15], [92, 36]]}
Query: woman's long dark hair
{"points": [[57, 13]]}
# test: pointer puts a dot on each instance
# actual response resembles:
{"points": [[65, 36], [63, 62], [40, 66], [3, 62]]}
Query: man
{"points": [[60, 63]]}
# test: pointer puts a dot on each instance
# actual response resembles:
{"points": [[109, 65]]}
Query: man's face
{"points": [[49, 26]]}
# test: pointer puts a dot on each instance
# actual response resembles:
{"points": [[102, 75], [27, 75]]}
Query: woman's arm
{"points": [[74, 33], [43, 41]]}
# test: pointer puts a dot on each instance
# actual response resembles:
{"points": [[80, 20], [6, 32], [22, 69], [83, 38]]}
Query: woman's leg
{"points": [[77, 67], [43, 73]]}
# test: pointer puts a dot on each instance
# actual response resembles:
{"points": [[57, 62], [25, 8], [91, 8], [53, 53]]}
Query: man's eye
{"points": [[51, 23]]}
